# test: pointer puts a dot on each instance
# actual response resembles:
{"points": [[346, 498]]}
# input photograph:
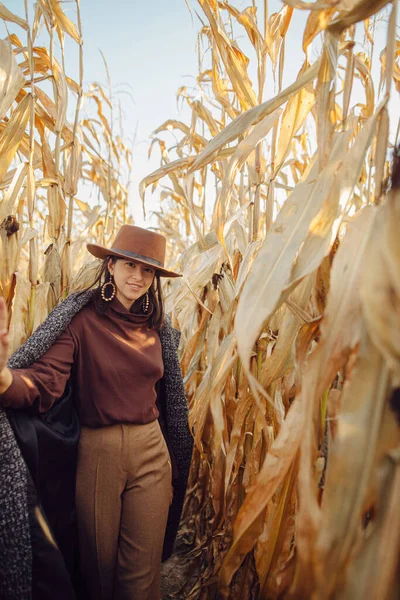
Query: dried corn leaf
{"points": [[272, 266], [49, 167], [12, 135], [348, 82], [340, 333], [374, 572], [85, 276], [247, 18], [63, 22], [181, 163], [324, 227], [317, 21], [293, 118], [317, 6], [206, 115], [11, 77], [325, 93], [281, 515], [365, 73], [18, 329], [282, 359], [243, 150], [350, 464], [277, 28], [52, 268], [7, 15], [7, 206], [41, 304], [360, 11], [62, 96], [221, 86], [249, 522], [73, 170], [234, 60], [223, 360], [381, 282], [250, 118]]}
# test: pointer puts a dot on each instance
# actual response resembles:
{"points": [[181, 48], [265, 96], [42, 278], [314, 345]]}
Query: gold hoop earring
{"points": [[103, 291], [146, 303]]}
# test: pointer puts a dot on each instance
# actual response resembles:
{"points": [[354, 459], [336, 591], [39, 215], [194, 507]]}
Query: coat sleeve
{"points": [[43, 382], [176, 408]]}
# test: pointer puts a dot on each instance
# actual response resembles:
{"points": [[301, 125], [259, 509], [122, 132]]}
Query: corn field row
{"points": [[277, 205]]}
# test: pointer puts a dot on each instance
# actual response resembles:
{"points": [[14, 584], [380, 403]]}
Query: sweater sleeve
{"points": [[44, 381]]}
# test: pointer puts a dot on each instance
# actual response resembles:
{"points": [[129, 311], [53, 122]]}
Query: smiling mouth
{"points": [[135, 287]]}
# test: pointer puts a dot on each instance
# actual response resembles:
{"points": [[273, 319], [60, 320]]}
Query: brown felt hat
{"points": [[140, 244]]}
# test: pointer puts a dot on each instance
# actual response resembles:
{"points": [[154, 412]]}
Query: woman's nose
{"points": [[137, 275]]}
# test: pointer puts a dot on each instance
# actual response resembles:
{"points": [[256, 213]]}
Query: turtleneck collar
{"points": [[138, 318]]}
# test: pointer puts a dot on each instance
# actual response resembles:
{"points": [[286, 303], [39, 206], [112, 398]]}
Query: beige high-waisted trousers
{"points": [[123, 493]]}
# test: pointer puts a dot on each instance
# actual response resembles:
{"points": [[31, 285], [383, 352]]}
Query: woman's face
{"points": [[132, 279]]}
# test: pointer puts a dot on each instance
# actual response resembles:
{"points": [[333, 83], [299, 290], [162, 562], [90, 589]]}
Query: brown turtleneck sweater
{"points": [[114, 361]]}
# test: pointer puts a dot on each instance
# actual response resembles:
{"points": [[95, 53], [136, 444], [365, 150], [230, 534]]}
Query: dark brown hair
{"points": [[156, 304]]}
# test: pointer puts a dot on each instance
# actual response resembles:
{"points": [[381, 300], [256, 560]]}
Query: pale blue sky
{"points": [[150, 50]]}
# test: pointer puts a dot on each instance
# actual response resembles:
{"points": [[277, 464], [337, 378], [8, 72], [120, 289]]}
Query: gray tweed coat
{"points": [[15, 546], [13, 516]]}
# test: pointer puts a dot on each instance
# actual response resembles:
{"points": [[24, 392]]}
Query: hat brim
{"points": [[102, 253]]}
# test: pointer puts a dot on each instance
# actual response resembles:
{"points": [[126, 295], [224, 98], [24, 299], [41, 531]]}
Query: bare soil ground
{"points": [[175, 574]]}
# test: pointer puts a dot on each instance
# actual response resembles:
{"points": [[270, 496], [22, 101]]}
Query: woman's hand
{"points": [[5, 373]]}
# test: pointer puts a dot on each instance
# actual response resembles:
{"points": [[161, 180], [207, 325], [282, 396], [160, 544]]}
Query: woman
{"points": [[112, 350]]}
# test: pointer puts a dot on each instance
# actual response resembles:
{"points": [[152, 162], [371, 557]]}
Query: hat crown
{"points": [[136, 243], [141, 242]]}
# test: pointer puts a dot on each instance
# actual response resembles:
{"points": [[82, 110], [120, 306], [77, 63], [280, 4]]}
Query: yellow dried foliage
{"points": [[281, 319]]}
